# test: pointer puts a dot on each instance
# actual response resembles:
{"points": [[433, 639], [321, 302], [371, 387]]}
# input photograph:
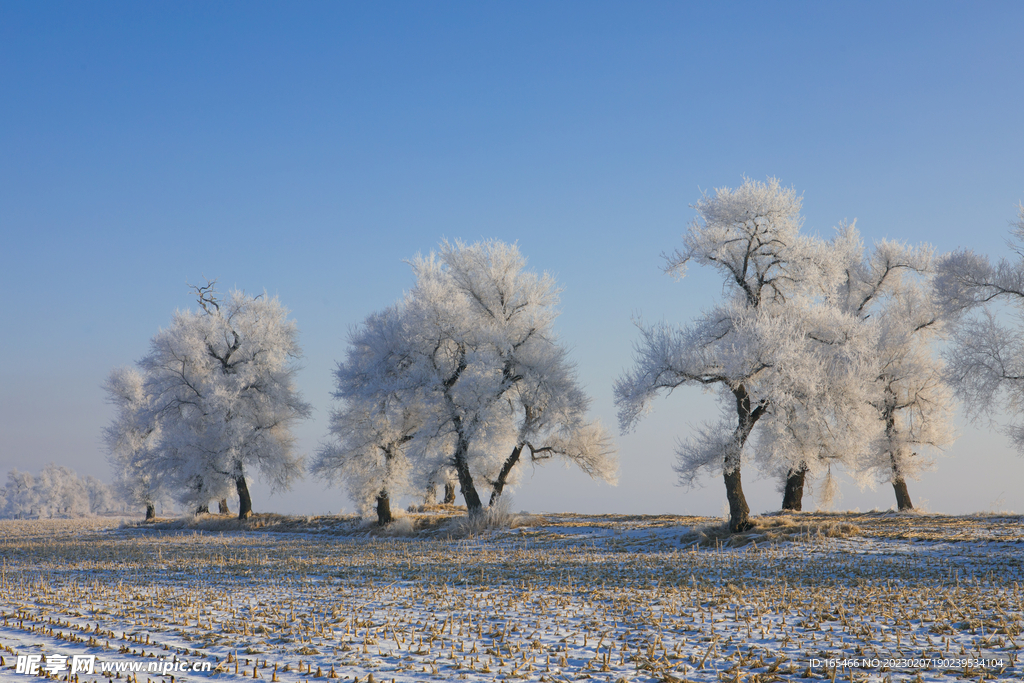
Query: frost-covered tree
{"points": [[21, 497], [368, 454], [61, 493], [914, 401], [469, 368], [370, 429], [446, 480], [986, 355], [102, 498], [56, 492], [217, 402], [773, 349], [130, 439], [494, 363], [889, 292]]}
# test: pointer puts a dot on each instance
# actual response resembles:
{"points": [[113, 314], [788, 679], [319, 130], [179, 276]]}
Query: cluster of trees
{"points": [[459, 383], [56, 492], [820, 352]]}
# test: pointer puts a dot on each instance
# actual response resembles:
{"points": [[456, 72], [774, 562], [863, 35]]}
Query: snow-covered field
{"points": [[563, 598]]}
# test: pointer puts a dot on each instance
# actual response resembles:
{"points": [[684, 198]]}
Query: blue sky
{"points": [[308, 148]]}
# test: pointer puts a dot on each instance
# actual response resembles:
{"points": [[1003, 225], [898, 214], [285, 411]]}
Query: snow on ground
{"points": [[861, 597]]}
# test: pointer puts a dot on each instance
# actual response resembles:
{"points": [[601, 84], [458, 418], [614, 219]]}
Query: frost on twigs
{"points": [[767, 211], [830, 493], [986, 357], [702, 451]]}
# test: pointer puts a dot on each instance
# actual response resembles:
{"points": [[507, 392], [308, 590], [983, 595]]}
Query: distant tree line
{"points": [[823, 354], [56, 492]]}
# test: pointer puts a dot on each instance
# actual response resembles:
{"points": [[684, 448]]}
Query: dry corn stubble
{"points": [[564, 598]]}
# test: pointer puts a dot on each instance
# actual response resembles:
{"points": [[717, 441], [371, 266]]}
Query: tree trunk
{"points": [[473, 503], [449, 493], [223, 506], [794, 495], [244, 502], [384, 508], [899, 484], [739, 511], [506, 468], [203, 509], [896, 455], [150, 511], [430, 497]]}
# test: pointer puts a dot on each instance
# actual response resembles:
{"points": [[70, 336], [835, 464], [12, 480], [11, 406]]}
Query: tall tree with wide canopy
{"points": [[773, 348], [891, 290], [471, 352], [887, 290], [220, 396]]}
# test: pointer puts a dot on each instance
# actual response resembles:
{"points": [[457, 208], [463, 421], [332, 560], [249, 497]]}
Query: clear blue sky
{"points": [[308, 148]]}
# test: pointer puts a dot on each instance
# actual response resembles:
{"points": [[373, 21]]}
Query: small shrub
{"points": [[497, 516]]}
